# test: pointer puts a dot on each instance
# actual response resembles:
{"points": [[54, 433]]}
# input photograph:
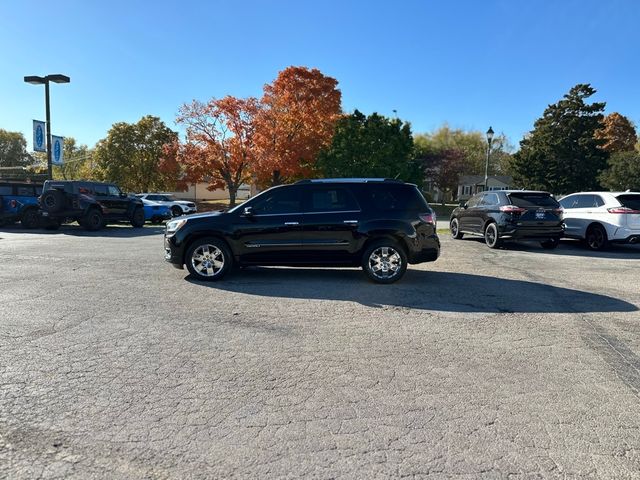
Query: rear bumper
{"points": [[632, 239], [532, 232], [427, 250]]}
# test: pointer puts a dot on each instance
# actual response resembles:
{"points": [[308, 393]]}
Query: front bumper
{"points": [[172, 254]]}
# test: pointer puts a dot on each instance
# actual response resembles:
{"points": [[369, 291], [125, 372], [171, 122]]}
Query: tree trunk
{"points": [[233, 190], [276, 180]]}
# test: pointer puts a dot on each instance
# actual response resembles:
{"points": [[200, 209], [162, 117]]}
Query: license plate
{"points": [[540, 214]]}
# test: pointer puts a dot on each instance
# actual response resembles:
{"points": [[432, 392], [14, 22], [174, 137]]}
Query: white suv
{"points": [[177, 207], [602, 217]]}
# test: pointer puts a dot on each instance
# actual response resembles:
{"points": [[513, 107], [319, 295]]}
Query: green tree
{"points": [[13, 150], [78, 161], [132, 155], [617, 133], [371, 146], [473, 146], [623, 172], [562, 153]]}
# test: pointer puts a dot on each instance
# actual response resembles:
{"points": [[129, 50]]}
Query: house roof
{"points": [[476, 179]]}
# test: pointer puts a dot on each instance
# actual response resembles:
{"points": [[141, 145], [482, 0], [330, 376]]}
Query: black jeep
{"points": [[91, 204]]}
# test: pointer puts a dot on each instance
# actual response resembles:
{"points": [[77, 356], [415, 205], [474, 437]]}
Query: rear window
{"points": [[528, 200], [6, 190], [630, 201], [390, 197]]}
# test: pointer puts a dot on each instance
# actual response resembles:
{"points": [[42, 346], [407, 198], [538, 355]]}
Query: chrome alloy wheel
{"points": [[385, 262], [207, 260]]}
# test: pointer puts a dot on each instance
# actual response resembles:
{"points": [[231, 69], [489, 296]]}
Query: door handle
{"points": [[291, 223], [353, 222]]}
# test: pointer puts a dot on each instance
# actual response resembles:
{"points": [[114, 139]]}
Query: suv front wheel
{"points": [[93, 220], [137, 219], [208, 259], [384, 261]]}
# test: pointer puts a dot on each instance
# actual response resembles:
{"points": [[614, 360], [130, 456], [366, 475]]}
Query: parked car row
{"points": [[597, 218], [92, 204]]}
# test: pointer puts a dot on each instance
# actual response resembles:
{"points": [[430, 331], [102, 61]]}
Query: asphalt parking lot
{"points": [[517, 363]]}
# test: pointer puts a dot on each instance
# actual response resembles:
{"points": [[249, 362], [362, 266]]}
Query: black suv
{"points": [[91, 204], [377, 224], [509, 214]]}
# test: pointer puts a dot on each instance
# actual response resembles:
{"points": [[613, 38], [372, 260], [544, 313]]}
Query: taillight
{"points": [[428, 217], [624, 210], [558, 211], [13, 204], [512, 209]]}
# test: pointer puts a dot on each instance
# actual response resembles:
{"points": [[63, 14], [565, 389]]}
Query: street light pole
{"points": [[486, 166], [36, 80], [48, 114]]}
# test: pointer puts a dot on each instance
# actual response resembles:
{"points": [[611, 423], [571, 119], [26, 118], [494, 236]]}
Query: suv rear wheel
{"points": [[208, 259], [30, 218], [176, 211], [491, 237], [384, 261], [596, 237]]}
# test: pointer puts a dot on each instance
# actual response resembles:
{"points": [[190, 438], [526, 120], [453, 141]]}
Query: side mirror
{"points": [[247, 212], [463, 204]]}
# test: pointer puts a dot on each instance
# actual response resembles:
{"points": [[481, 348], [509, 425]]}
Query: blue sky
{"points": [[469, 63]]}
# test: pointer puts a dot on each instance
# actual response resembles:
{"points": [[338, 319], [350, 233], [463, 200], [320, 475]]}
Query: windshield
{"points": [[533, 200], [631, 201], [243, 204]]}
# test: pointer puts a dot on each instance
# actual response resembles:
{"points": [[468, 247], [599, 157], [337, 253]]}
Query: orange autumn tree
{"points": [[296, 120], [219, 142]]}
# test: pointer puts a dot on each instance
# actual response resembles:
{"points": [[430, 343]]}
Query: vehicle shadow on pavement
{"points": [[572, 248], [418, 289], [113, 231]]}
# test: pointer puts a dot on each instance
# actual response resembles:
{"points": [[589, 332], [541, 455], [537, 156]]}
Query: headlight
{"points": [[175, 225]]}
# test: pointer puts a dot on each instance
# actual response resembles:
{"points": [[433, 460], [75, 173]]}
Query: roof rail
{"points": [[348, 180]]}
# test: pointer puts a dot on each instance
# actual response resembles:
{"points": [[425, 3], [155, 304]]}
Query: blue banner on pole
{"points": [[39, 136], [57, 149]]}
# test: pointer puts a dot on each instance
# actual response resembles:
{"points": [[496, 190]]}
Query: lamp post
{"points": [[35, 80], [486, 166]]}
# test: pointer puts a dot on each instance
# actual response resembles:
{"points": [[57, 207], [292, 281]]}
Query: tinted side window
{"points": [[100, 190], [567, 203], [630, 201], [6, 190], [25, 191], [475, 200], [390, 197], [279, 201], [490, 199], [113, 191], [331, 199], [532, 200]]}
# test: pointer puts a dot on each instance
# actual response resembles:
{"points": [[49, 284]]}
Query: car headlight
{"points": [[175, 225]]}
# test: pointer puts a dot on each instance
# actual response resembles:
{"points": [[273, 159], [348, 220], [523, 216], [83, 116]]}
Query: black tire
{"points": [[550, 244], [208, 259], [52, 225], [176, 211], [52, 201], [30, 218], [93, 220], [454, 226], [596, 238], [1, 204], [491, 236], [137, 218], [384, 261]]}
